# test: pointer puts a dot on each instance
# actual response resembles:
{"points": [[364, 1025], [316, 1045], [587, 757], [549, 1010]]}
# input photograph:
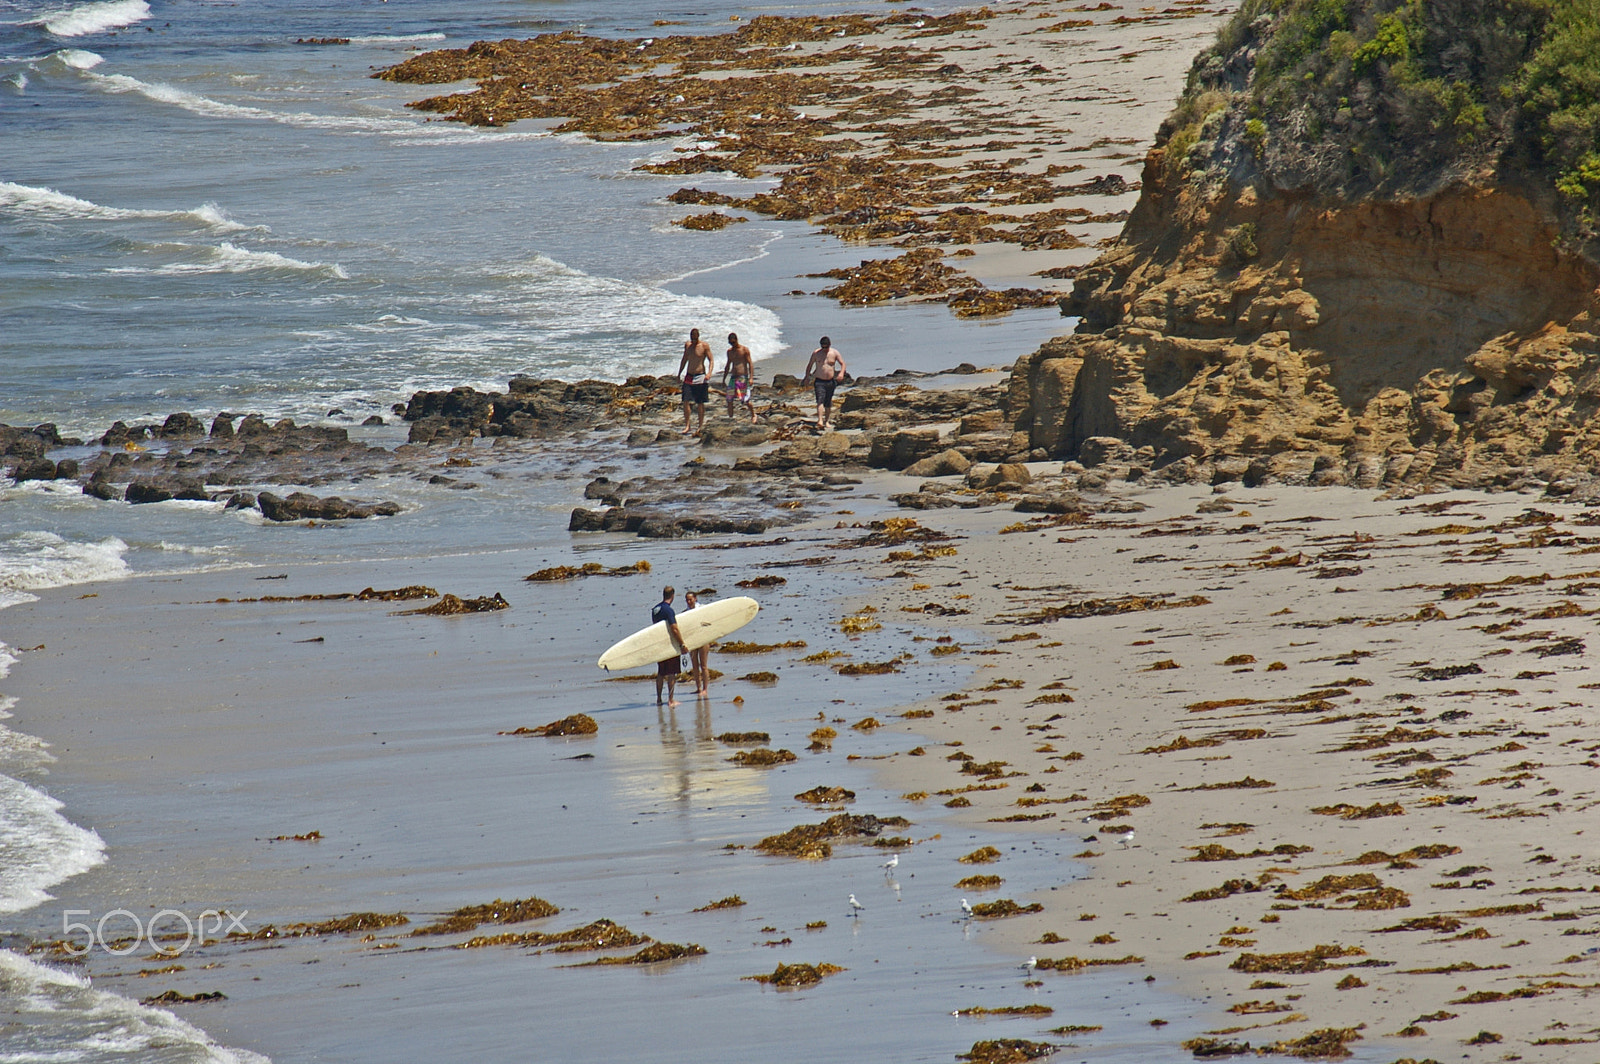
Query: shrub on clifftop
{"points": [[1399, 98]]}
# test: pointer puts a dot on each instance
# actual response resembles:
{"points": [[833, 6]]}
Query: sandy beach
{"points": [[1351, 739], [1177, 772]]}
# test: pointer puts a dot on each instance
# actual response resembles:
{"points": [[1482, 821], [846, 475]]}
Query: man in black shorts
{"points": [[824, 371], [667, 670], [694, 370]]}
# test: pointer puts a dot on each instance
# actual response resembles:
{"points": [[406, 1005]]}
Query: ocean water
{"points": [[198, 214]]}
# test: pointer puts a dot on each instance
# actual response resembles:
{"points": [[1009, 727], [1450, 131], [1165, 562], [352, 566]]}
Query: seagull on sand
{"points": [[855, 906], [1030, 964], [966, 907], [647, 42], [892, 863], [1126, 838]]}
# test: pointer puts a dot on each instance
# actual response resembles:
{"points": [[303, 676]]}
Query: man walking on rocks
{"points": [[694, 370], [668, 670], [742, 369], [824, 371]]}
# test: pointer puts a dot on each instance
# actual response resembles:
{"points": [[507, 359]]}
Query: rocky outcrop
{"points": [[1441, 333], [300, 506]]}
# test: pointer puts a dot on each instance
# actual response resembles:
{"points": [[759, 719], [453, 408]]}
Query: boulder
{"points": [[1063, 503], [34, 469], [983, 421], [991, 446], [898, 449], [1008, 476], [222, 426], [949, 462], [1098, 450], [102, 488], [22, 442], [165, 488], [583, 520], [300, 506], [179, 426]]}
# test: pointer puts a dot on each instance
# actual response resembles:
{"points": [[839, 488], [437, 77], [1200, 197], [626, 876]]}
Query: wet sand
{"points": [[191, 734]]}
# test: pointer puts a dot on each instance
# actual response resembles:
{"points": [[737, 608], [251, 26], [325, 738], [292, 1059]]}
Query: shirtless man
{"points": [[694, 370], [699, 665], [824, 371], [742, 368], [667, 670]]}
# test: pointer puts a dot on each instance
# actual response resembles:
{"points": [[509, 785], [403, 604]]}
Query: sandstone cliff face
{"points": [[1238, 330]]}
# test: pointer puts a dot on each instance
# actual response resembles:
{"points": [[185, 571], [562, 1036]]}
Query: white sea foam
{"points": [[38, 846], [363, 125], [31, 561], [95, 18], [64, 1016], [230, 258], [33, 199], [638, 313], [79, 58], [404, 38]]}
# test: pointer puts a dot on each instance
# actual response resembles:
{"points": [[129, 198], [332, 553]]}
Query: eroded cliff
{"points": [[1267, 314]]}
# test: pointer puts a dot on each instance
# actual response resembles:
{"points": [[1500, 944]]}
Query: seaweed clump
{"points": [[1346, 811], [452, 606], [982, 855], [173, 997], [1300, 962], [796, 974], [732, 901], [577, 724], [738, 738], [343, 925], [813, 842], [569, 572], [820, 795], [1006, 1051], [496, 912], [1326, 1044], [602, 934], [979, 883], [995, 910], [652, 954], [763, 757]]}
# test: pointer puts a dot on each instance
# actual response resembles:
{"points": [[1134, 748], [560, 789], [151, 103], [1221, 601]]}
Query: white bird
{"points": [[839, 34], [892, 863], [1126, 839], [855, 906], [1030, 964], [647, 42], [919, 24], [791, 47], [678, 98], [966, 907]]}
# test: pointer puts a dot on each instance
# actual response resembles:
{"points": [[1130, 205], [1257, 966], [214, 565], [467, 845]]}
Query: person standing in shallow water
{"points": [[699, 670], [742, 368], [694, 370], [824, 371], [667, 670]]}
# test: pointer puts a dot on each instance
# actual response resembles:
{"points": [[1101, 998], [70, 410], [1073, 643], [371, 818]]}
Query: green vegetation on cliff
{"points": [[1400, 97]]}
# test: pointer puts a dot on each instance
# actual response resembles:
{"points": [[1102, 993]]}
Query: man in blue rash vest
{"points": [[668, 670]]}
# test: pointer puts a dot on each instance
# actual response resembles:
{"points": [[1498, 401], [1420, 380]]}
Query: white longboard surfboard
{"points": [[700, 627]]}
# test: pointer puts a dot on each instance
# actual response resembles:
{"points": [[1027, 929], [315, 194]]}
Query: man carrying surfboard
{"points": [[668, 670]]}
